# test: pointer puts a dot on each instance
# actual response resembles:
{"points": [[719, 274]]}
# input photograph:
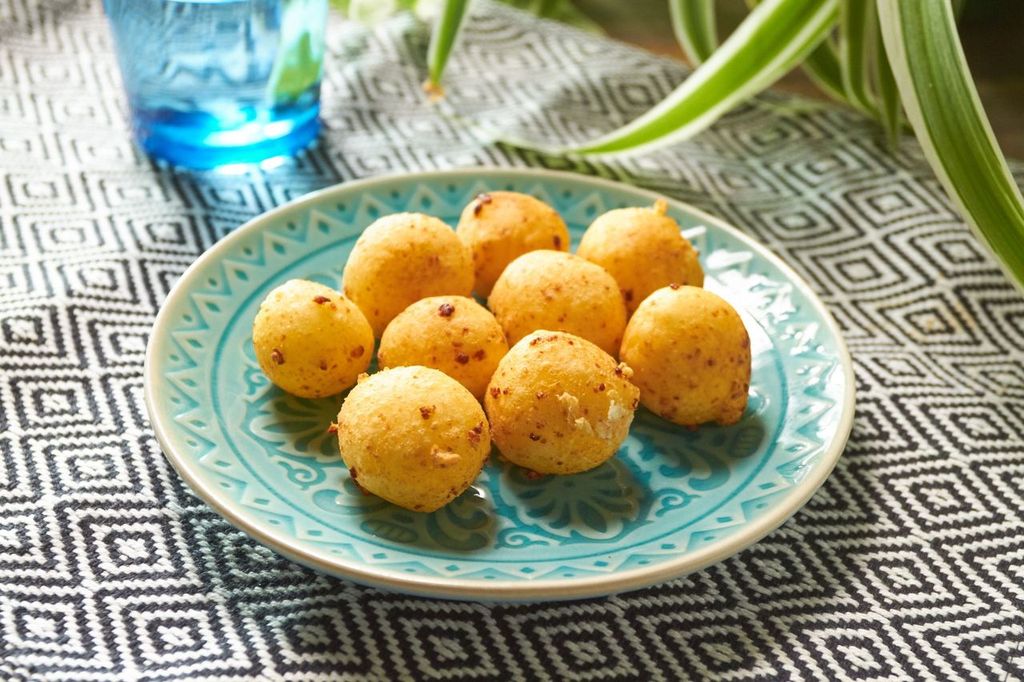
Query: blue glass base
{"points": [[200, 141]]}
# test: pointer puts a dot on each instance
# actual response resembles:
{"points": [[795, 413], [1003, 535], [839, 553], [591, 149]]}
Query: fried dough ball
{"points": [[413, 436], [402, 258], [690, 355], [454, 334], [558, 404], [643, 249], [559, 291], [501, 226], [310, 340]]}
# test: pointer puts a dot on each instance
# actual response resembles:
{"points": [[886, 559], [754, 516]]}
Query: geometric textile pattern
{"points": [[907, 564]]}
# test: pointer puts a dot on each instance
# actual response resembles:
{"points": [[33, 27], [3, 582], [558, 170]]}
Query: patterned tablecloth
{"points": [[908, 563]]}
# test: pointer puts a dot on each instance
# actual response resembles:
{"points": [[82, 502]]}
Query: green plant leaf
{"points": [[773, 38], [442, 39], [300, 56], [888, 94], [693, 22], [822, 67], [943, 107], [856, 33]]}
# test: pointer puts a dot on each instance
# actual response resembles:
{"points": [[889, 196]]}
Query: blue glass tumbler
{"points": [[218, 82]]}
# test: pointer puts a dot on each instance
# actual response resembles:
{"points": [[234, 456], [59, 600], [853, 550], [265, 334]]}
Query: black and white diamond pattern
{"points": [[908, 564]]}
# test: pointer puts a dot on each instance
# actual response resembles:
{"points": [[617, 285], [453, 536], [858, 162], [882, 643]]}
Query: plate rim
{"points": [[498, 590]]}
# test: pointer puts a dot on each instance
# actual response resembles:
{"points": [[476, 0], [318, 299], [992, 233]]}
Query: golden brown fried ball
{"points": [[501, 226], [310, 340], [559, 291], [413, 436], [402, 258], [558, 404], [690, 355], [643, 249], [454, 334]]}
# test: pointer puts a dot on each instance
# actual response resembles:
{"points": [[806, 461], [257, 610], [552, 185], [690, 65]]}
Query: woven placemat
{"points": [[908, 563]]}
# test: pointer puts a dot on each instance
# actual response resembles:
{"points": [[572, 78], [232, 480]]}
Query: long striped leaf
{"points": [[441, 41], [822, 67], [856, 33], [942, 104], [693, 22], [770, 41], [888, 93]]}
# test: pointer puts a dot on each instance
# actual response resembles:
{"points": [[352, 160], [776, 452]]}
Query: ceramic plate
{"points": [[671, 501]]}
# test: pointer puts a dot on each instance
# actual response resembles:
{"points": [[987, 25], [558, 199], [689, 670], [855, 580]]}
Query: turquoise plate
{"points": [[671, 501]]}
